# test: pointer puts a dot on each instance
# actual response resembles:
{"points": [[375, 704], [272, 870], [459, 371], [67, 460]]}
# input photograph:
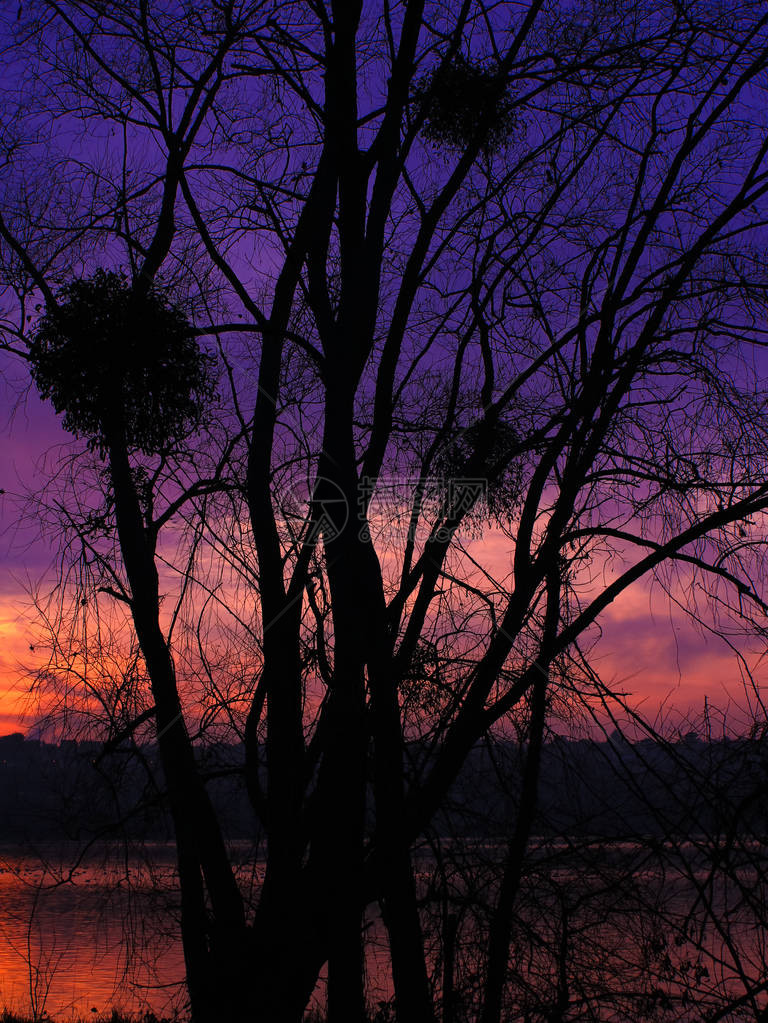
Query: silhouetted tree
{"points": [[493, 265]]}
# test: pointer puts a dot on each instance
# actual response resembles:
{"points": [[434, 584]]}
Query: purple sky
{"points": [[28, 429], [646, 649]]}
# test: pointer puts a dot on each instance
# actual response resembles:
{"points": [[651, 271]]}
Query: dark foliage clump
{"points": [[423, 688], [486, 453], [121, 364], [462, 99]]}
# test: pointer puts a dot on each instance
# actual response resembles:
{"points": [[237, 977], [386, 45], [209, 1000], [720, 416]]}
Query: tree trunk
{"points": [[501, 924], [339, 828], [394, 870], [214, 949]]}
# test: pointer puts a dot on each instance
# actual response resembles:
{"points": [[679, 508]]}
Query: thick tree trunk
{"points": [[283, 904], [413, 999], [339, 827], [394, 871], [338, 841], [282, 976], [214, 934]]}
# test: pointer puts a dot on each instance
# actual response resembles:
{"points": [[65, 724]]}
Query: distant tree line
{"points": [[603, 789]]}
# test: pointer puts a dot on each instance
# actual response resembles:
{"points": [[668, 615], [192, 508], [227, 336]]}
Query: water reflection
{"points": [[622, 933], [99, 934]]}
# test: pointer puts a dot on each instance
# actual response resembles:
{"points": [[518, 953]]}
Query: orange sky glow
{"points": [[648, 650]]}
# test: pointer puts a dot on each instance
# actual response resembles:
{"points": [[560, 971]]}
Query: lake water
{"points": [[84, 936], [102, 932], [92, 935]]}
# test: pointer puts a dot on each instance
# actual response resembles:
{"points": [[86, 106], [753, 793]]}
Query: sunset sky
{"points": [[397, 592], [649, 649]]}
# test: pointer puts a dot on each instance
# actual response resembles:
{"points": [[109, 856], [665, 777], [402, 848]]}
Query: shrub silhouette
{"points": [[461, 98], [121, 364]]}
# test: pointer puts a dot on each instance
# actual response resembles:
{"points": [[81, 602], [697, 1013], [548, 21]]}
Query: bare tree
{"points": [[500, 264]]}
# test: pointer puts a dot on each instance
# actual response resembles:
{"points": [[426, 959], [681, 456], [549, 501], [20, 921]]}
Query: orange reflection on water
{"points": [[97, 939]]}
